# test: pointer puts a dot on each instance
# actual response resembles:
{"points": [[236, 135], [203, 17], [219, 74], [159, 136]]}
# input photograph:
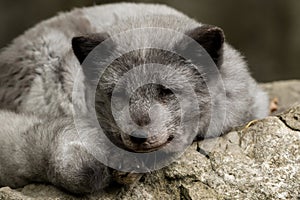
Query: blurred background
{"points": [[266, 32]]}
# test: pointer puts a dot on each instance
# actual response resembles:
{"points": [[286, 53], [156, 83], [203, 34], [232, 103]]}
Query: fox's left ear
{"points": [[83, 45], [211, 38]]}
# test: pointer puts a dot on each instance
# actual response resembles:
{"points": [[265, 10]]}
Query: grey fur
{"points": [[39, 141]]}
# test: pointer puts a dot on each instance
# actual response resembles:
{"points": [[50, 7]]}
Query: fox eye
{"points": [[164, 91]]}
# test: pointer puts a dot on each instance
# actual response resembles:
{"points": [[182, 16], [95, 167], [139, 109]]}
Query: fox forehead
{"points": [[149, 66]]}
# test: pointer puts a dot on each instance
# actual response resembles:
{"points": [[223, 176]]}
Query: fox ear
{"points": [[211, 38], [83, 45]]}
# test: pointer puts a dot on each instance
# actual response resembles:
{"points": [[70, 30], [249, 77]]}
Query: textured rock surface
{"points": [[260, 160]]}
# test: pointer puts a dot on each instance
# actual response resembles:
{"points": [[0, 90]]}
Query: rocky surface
{"points": [[287, 93], [260, 160]]}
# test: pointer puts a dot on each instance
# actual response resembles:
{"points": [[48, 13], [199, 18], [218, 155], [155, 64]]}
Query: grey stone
{"points": [[287, 92]]}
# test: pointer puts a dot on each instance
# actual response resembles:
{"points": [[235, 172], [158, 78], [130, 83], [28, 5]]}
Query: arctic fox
{"points": [[38, 137]]}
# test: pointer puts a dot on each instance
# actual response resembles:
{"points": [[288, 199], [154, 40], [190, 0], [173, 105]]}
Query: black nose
{"points": [[138, 136]]}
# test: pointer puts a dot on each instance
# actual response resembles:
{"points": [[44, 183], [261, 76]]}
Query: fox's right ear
{"points": [[83, 45]]}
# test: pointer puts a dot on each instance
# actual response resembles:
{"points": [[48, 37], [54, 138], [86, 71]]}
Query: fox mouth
{"points": [[148, 146]]}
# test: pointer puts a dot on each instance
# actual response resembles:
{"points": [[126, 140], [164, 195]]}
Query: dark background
{"points": [[266, 31]]}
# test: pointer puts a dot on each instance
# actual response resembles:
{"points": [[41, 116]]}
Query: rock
{"points": [[260, 160], [287, 92]]}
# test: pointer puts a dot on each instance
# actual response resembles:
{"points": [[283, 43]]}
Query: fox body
{"points": [[39, 141]]}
